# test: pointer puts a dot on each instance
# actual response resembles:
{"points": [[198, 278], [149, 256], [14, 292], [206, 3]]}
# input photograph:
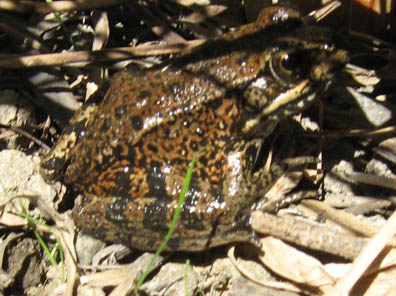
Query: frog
{"points": [[128, 153]]}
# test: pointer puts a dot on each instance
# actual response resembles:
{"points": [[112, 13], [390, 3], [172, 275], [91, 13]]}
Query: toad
{"points": [[128, 154]]}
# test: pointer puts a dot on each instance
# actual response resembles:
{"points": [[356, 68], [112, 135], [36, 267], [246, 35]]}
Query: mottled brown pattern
{"points": [[131, 153]]}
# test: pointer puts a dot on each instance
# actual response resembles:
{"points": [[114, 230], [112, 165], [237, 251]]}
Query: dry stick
{"points": [[371, 39], [309, 235], [160, 27], [14, 32], [369, 132], [323, 12], [56, 59], [365, 258], [26, 134], [362, 132], [371, 179], [343, 218], [38, 7]]}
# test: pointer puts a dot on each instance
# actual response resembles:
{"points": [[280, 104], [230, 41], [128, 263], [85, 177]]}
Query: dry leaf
{"points": [[293, 264]]}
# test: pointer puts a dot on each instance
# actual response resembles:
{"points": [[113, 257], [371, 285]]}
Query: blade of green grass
{"points": [[51, 254], [176, 215], [62, 24], [33, 222]]}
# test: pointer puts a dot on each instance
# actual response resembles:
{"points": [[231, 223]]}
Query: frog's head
{"points": [[298, 67]]}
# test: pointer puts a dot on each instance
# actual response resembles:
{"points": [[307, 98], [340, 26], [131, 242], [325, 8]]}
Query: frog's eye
{"points": [[288, 67]]}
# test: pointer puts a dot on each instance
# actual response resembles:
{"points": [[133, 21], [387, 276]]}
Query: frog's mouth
{"points": [[287, 103]]}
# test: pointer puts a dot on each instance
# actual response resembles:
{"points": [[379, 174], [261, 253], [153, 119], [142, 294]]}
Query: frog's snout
{"points": [[330, 66], [339, 58]]}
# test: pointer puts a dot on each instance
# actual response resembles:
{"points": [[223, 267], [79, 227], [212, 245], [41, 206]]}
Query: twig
{"points": [[56, 59], [343, 218], [24, 37], [309, 235], [39, 7], [26, 134], [365, 258], [354, 132]]}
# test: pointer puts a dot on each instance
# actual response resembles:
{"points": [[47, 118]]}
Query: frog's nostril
{"points": [[340, 57], [322, 72]]}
